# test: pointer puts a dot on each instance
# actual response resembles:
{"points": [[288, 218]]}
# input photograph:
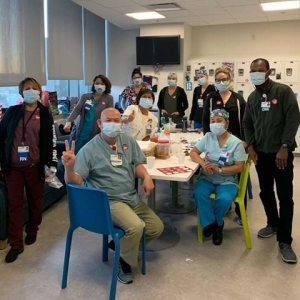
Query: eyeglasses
{"points": [[223, 80]]}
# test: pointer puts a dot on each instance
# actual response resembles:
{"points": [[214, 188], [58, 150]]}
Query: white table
{"points": [[174, 206]]}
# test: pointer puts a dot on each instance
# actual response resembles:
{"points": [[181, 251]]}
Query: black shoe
{"points": [[111, 245], [209, 229], [12, 255], [30, 239], [218, 235]]}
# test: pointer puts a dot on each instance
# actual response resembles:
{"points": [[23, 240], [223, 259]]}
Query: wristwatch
{"points": [[220, 170], [285, 146]]}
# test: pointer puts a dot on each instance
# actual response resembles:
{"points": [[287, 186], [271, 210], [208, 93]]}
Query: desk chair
{"points": [[240, 201], [89, 209]]}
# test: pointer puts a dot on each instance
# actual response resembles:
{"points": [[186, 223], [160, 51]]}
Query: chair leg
{"points": [[113, 285], [67, 258], [144, 252], [200, 230], [245, 224], [104, 247], [249, 188]]}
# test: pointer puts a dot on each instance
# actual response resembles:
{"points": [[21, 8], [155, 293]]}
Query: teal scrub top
{"points": [[93, 164], [233, 149]]}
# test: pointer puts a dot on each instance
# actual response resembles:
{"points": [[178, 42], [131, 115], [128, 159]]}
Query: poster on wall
{"points": [[229, 65]]}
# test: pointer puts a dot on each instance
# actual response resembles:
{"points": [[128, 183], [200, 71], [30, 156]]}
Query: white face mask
{"points": [[258, 78], [111, 129], [137, 81], [31, 96], [222, 86], [202, 80], [100, 88], [146, 102], [217, 128]]}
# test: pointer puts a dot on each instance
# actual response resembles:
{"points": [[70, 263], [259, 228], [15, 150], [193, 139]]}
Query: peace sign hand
{"points": [[68, 156]]}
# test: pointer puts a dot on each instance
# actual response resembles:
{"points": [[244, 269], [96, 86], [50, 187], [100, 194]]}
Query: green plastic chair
{"points": [[240, 201]]}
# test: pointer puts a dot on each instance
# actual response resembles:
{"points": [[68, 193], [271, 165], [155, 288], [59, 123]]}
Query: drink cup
{"points": [[181, 158], [150, 162]]}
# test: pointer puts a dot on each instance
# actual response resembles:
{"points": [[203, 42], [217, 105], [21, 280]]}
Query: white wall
{"points": [[121, 57]]}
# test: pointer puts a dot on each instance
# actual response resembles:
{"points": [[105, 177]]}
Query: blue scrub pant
{"points": [[197, 125], [209, 211]]}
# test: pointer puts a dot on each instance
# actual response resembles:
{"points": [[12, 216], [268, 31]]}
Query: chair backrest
{"points": [[243, 180], [89, 209]]}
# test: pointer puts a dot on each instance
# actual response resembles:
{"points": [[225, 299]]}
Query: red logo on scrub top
{"points": [[37, 117], [207, 154], [219, 102], [274, 101], [103, 102], [125, 147]]}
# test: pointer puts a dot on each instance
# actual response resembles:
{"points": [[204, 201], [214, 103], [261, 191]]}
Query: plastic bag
{"points": [[52, 179]]}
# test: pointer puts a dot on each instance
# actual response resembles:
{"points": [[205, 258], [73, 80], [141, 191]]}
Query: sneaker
{"points": [[30, 239], [239, 221], [287, 253], [125, 273], [267, 232], [13, 254]]}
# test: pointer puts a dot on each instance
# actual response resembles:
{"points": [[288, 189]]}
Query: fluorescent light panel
{"points": [[272, 6], [146, 15]]}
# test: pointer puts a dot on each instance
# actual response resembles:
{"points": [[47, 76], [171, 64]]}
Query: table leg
{"points": [[169, 238], [173, 206]]}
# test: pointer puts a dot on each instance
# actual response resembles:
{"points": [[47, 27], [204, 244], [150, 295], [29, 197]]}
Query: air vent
{"points": [[164, 7]]}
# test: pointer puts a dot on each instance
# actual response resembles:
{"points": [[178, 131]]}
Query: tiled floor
{"points": [[187, 271]]}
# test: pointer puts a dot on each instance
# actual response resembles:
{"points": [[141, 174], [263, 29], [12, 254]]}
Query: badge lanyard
{"points": [[24, 125], [265, 105]]}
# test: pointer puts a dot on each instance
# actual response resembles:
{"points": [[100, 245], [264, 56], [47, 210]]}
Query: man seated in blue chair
{"points": [[111, 161]]}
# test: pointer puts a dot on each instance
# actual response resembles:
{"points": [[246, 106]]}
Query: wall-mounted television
{"points": [[158, 50]]}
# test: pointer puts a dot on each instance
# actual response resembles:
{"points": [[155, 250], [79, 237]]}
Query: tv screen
{"points": [[162, 50]]}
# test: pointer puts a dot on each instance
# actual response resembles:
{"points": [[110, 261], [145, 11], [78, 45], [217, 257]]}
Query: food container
{"points": [[163, 149]]}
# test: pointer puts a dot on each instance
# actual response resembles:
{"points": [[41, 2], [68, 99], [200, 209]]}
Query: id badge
{"points": [[88, 104], [116, 160], [224, 157], [23, 152], [265, 106], [200, 103]]}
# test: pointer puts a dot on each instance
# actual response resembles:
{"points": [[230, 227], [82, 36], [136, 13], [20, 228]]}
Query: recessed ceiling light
{"points": [[271, 6], [146, 15]]}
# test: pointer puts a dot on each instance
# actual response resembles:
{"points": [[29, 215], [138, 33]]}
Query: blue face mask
{"points": [[171, 82], [31, 96], [146, 102], [111, 129], [222, 86], [137, 81], [217, 128], [258, 78], [202, 80], [100, 88]]}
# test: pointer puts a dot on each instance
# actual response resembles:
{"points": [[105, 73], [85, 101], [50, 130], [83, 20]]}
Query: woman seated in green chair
{"points": [[224, 158]]}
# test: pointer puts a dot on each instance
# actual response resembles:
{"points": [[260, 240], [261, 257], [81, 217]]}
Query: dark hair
{"points": [[28, 79], [264, 60], [136, 71], [105, 81], [142, 92]]}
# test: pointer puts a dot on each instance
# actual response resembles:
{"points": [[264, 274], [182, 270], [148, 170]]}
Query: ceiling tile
{"points": [[226, 3], [147, 2], [248, 15], [130, 9], [216, 17], [212, 11], [179, 13], [219, 22], [246, 8], [251, 20], [200, 4], [113, 3]]}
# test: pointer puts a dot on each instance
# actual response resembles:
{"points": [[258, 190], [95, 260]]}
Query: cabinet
{"points": [[291, 71], [245, 89], [243, 72], [211, 67], [277, 73]]}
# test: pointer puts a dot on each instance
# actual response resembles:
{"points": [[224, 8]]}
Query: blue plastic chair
{"points": [[89, 209]]}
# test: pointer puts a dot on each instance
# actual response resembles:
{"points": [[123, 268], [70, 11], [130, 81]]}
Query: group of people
{"points": [[102, 139]]}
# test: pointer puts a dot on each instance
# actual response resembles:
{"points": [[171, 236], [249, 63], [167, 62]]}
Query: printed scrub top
{"points": [[129, 95], [93, 164], [232, 151]]}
